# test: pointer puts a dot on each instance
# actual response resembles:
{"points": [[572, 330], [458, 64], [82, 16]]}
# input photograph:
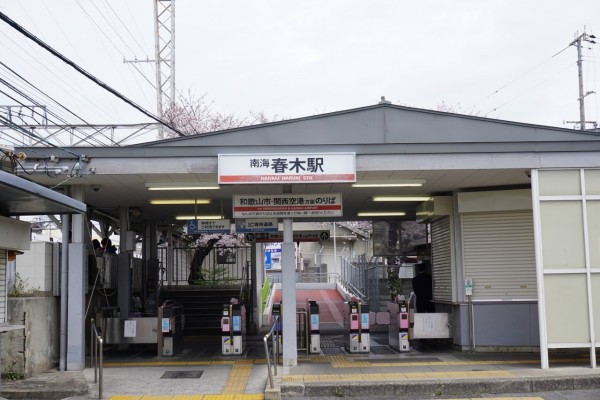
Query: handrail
{"points": [[275, 349], [97, 349]]}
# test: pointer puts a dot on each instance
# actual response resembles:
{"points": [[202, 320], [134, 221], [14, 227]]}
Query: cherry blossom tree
{"points": [[207, 243], [195, 115]]}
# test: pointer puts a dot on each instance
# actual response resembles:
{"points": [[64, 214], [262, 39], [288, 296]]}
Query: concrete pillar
{"points": [[124, 269], [288, 294], [77, 287]]}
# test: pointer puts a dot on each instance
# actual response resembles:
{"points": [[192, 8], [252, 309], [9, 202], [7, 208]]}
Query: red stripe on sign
{"points": [[285, 208], [287, 178]]}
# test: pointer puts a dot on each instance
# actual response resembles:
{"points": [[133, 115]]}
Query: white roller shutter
{"points": [[499, 255], [441, 259]]}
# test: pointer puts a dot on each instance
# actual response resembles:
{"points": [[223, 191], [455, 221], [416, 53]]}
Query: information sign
{"points": [[288, 205], [256, 225], [299, 236], [196, 226]]}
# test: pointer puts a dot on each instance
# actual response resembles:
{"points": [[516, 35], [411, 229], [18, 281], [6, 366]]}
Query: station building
{"points": [[514, 209]]}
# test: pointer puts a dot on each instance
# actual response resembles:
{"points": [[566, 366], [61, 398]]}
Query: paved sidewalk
{"points": [[201, 373]]}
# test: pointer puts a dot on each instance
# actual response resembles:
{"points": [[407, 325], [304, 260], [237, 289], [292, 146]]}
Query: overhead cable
{"points": [[55, 101], [82, 71]]}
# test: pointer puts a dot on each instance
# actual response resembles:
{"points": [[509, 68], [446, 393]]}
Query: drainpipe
{"points": [[64, 286]]}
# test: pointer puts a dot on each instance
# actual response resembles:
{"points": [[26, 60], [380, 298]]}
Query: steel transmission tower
{"points": [[164, 58], [164, 51]]}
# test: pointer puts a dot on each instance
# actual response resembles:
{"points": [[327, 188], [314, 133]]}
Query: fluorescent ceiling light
{"points": [[401, 198], [182, 186], [391, 183], [190, 217], [180, 201], [382, 214]]}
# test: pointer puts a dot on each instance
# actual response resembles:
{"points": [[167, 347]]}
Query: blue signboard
{"points": [[197, 226], [256, 225]]}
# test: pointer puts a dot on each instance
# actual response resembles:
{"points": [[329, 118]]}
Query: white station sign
{"points": [[287, 168], [287, 205]]}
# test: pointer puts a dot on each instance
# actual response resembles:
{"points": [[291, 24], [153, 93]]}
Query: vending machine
{"points": [[314, 335], [357, 324]]}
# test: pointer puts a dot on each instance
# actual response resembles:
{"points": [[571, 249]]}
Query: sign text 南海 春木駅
{"points": [[287, 168]]}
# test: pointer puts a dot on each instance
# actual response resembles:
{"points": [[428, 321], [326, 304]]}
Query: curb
{"points": [[439, 387], [275, 393], [47, 386]]}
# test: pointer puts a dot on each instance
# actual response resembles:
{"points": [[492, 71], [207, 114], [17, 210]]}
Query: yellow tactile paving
{"points": [[238, 378], [191, 397], [396, 376], [345, 362], [164, 363]]}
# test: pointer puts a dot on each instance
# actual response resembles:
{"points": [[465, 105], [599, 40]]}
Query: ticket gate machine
{"points": [[233, 329], [172, 323], [357, 323], [399, 325], [278, 331], [314, 335]]}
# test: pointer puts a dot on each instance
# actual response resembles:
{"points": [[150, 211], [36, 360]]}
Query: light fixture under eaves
{"points": [[401, 198], [382, 214], [179, 201], [182, 186], [390, 183], [190, 217]]}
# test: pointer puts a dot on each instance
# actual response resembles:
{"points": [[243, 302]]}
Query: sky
{"points": [[503, 59]]}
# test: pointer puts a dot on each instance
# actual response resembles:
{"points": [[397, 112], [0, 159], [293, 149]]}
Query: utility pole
{"points": [[164, 57], [577, 43]]}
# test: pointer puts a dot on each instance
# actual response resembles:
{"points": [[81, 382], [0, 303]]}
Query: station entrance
{"points": [[471, 178]]}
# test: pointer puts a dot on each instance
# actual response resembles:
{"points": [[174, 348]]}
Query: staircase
{"points": [[201, 306]]}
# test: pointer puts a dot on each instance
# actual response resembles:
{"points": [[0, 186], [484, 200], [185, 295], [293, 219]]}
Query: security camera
{"points": [[96, 188]]}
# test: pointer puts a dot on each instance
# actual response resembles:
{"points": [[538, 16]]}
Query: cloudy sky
{"points": [[494, 58]]}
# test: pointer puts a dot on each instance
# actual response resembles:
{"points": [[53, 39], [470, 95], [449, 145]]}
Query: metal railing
{"points": [[367, 280], [274, 333], [308, 277], [221, 266], [97, 351], [355, 279]]}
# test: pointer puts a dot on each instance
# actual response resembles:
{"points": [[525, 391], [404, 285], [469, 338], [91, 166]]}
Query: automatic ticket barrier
{"points": [[172, 323], [356, 322], [276, 318], [314, 333], [233, 328], [399, 325]]}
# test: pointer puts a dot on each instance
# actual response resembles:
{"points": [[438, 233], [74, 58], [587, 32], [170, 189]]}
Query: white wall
{"points": [[34, 266]]}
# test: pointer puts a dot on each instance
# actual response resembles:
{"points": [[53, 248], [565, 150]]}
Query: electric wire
{"points": [[124, 25], [103, 33], [509, 83], [132, 65], [137, 28], [36, 59], [59, 25], [33, 135], [65, 85], [110, 25], [35, 102], [528, 90], [82, 71], [56, 102]]}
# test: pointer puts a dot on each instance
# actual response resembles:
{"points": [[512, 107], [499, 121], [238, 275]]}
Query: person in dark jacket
{"points": [[423, 288]]}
